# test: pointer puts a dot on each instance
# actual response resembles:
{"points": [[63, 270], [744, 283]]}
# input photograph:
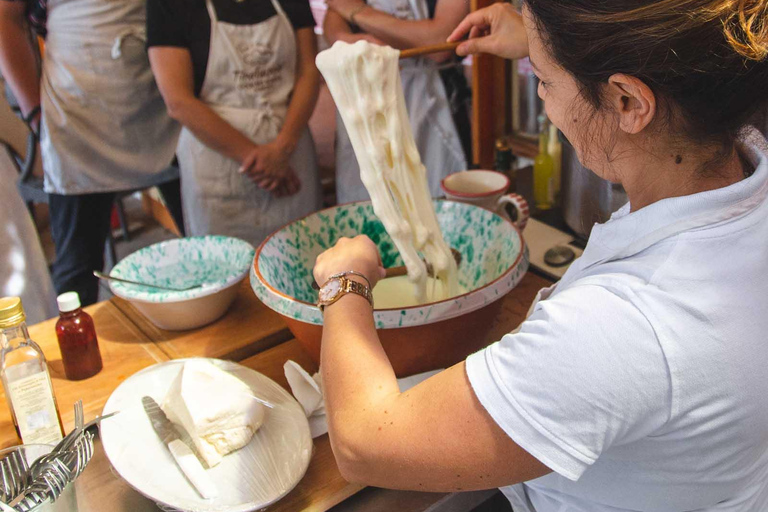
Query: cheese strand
{"points": [[364, 80]]}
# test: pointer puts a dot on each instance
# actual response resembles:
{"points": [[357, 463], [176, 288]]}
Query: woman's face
{"points": [[588, 131]]}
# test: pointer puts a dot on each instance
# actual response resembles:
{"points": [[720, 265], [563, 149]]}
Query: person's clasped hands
{"points": [[497, 30], [268, 166]]}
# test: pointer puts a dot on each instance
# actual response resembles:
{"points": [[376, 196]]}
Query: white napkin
{"points": [[308, 392]]}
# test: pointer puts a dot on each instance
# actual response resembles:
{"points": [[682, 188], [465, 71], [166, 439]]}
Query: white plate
{"points": [[255, 476]]}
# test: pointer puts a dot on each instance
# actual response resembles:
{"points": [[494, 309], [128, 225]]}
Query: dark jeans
{"points": [[79, 226]]}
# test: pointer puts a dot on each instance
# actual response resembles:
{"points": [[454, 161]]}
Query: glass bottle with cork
{"points": [[26, 380], [77, 339]]}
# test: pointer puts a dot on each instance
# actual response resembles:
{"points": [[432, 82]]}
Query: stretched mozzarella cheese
{"points": [[364, 80], [217, 409]]}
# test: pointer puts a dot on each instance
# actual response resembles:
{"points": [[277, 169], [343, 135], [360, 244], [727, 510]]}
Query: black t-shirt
{"points": [[186, 24]]}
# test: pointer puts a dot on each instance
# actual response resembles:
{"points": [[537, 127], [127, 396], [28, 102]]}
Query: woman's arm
{"points": [[273, 158], [336, 28], [434, 437], [17, 56], [305, 90], [403, 33], [172, 67]]}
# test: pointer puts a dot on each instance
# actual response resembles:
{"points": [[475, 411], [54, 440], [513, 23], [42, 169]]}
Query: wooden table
{"points": [[129, 343], [248, 327], [124, 351]]}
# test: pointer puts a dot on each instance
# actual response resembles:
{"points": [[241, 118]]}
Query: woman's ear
{"points": [[633, 101]]}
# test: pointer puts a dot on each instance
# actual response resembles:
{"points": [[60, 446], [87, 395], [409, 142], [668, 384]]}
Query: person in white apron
{"points": [[404, 24], [253, 105], [103, 127]]}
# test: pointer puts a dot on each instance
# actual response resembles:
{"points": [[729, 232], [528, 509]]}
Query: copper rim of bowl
{"points": [[509, 270], [475, 195]]}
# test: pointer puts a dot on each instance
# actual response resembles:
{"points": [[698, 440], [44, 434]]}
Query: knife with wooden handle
{"points": [[185, 458]]}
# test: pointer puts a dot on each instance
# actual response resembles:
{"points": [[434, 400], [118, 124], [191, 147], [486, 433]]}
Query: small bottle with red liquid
{"points": [[77, 339]]}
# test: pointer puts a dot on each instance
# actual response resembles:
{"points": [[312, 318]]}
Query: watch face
{"points": [[330, 290]]}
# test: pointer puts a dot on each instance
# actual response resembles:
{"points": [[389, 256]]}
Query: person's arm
{"points": [[272, 158], [399, 33], [305, 92], [336, 28], [172, 67], [17, 56], [434, 437]]}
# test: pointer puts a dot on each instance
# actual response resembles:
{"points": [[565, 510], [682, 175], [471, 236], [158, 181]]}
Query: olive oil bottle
{"points": [[26, 381], [543, 170]]}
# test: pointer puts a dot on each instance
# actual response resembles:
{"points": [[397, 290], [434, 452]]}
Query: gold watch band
{"points": [[346, 286]]}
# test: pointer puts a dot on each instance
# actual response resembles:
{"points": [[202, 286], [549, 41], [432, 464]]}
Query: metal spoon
{"points": [[137, 283]]}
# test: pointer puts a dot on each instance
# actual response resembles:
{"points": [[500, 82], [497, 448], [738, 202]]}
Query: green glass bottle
{"points": [[543, 170]]}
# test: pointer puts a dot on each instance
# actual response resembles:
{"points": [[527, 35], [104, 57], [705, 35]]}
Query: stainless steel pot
{"points": [[586, 197]]}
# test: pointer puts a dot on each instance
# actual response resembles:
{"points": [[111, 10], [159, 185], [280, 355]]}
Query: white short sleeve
{"points": [[584, 373]]}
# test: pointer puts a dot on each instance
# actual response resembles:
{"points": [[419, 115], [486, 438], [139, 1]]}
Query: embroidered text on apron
{"points": [[105, 126]]}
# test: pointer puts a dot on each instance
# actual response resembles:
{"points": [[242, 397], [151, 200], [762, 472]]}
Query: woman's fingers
{"points": [[473, 19], [248, 164], [497, 30]]}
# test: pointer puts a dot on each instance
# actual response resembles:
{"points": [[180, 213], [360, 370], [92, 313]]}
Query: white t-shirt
{"points": [[641, 380]]}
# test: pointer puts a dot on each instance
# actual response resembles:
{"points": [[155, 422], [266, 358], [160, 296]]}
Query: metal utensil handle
{"points": [[128, 281]]}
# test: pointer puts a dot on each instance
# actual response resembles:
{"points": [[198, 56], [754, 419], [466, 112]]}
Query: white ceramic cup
{"points": [[486, 189]]}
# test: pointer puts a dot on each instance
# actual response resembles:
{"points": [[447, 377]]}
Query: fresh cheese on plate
{"points": [[218, 410]]}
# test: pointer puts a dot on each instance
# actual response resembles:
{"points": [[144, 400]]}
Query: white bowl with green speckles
{"points": [[416, 339], [213, 265]]}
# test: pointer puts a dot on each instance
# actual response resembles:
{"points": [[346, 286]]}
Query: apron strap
{"points": [[211, 11], [279, 9]]}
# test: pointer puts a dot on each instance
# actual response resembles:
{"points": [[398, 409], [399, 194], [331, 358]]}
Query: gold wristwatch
{"points": [[339, 285]]}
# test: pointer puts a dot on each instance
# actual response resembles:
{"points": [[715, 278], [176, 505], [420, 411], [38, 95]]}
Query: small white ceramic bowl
{"points": [[218, 263]]}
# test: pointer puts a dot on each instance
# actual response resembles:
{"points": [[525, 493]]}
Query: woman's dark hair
{"points": [[706, 60]]}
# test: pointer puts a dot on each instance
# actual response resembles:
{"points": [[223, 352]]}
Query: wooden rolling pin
{"points": [[426, 50]]}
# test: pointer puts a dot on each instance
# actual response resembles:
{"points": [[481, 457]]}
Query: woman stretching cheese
{"points": [[638, 381]]}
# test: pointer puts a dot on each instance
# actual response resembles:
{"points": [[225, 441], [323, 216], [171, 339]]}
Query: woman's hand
{"points": [[359, 254], [497, 30], [346, 8]]}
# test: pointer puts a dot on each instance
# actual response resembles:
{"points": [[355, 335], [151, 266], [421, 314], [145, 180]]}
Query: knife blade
{"points": [[182, 454]]}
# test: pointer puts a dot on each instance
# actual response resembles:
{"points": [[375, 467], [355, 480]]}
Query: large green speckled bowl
{"points": [[419, 338]]}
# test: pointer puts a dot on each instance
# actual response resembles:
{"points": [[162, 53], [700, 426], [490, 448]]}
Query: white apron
{"points": [[428, 109], [248, 82], [104, 124]]}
